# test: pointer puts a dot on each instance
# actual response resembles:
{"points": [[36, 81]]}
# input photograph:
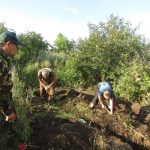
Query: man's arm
{"points": [[104, 107], [48, 87], [41, 82], [111, 105], [11, 116], [53, 81], [101, 101]]}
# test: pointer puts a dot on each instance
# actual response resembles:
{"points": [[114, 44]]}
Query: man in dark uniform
{"points": [[105, 92], [8, 48]]}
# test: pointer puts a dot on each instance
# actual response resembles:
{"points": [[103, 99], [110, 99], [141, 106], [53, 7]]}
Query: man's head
{"points": [[106, 95], [45, 74], [9, 43]]}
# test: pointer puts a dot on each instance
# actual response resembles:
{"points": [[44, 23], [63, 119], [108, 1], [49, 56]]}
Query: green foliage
{"points": [[20, 102], [113, 52], [30, 74], [32, 46], [52, 59], [25, 77], [26, 61], [134, 83], [69, 74], [63, 44], [2, 27], [110, 46]]}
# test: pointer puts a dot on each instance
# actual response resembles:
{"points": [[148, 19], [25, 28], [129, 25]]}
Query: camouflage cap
{"points": [[9, 36]]}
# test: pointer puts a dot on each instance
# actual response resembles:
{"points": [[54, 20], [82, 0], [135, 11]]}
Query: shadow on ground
{"points": [[61, 134]]}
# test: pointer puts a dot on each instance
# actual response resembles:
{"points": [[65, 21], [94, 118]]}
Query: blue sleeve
{"points": [[100, 93], [104, 86], [99, 85]]}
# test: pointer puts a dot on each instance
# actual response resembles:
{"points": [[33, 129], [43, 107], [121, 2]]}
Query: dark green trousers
{"points": [[9, 132]]}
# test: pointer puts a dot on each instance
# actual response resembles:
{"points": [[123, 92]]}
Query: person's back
{"points": [[104, 86]]}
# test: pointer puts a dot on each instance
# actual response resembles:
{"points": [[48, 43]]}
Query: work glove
{"points": [[91, 105], [47, 88], [103, 106], [22, 146]]}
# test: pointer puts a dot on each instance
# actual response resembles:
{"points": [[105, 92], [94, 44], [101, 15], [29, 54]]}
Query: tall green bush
{"points": [[134, 83], [32, 46], [109, 47]]}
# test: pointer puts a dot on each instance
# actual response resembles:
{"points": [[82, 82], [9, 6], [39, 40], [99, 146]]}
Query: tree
{"points": [[110, 47], [32, 45], [2, 27], [63, 44]]}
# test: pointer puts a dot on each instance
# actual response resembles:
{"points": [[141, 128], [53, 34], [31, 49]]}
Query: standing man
{"points": [[104, 94], [47, 81], [8, 48]]}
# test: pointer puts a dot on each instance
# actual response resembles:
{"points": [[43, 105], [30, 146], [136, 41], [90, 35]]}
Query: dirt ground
{"points": [[52, 133], [86, 129]]}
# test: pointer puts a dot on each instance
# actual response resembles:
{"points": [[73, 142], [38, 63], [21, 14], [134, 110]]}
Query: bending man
{"points": [[47, 81], [104, 94]]}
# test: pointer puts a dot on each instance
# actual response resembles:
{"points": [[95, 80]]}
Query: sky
{"points": [[70, 17]]}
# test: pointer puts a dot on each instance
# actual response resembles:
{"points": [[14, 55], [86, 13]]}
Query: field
{"points": [[113, 52], [69, 123]]}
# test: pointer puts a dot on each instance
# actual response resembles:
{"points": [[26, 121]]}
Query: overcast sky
{"points": [[70, 17]]}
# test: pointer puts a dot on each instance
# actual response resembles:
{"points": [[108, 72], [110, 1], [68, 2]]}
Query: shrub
{"points": [[69, 74], [32, 46], [30, 74], [110, 46], [134, 83]]}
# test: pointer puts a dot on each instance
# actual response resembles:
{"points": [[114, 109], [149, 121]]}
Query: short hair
{"points": [[107, 94]]}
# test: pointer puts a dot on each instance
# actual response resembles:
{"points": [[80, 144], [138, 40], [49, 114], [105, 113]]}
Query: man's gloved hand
{"points": [[103, 106], [11, 117], [91, 105], [48, 87], [22, 146]]}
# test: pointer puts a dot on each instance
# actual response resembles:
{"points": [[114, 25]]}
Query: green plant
{"points": [[100, 57], [62, 44], [30, 74], [20, 102], [134, 83], [2, 27], [69, 74], [32, 46]]}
